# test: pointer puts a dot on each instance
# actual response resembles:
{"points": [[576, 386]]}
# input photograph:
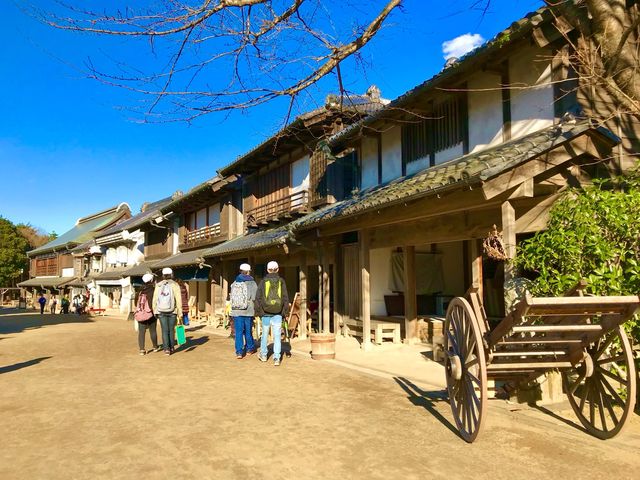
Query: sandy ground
{"points": [[77, 401]]}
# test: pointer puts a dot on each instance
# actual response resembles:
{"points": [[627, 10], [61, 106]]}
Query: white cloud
{"points": [[458, 46]]}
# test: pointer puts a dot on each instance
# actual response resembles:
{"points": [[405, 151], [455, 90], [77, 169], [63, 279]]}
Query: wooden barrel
{"points": [[323, 346]]}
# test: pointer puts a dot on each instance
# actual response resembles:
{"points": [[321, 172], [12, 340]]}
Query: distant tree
{"points": [[13, 252], [35, 235]]}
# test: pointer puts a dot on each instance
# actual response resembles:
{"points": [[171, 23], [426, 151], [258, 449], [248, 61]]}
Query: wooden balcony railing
{"points": [[202, 235], [297, 202]]}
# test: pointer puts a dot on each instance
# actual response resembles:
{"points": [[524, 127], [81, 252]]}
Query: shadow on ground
{"points": [[193, 343], [427, 400], [19, 321], [18, 366]]}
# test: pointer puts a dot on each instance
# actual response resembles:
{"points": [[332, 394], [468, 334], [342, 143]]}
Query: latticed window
{"points": [[443, 129]]}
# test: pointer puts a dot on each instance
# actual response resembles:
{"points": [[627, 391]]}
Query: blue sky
{"points": [[68, 148]]}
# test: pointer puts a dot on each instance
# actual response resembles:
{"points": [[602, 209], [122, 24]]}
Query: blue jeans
{"points": [[244, 336], [185, 319], [168, 325], [275, 322]]}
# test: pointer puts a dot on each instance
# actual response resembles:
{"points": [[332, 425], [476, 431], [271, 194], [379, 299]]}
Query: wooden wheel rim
{"points": [[602, 402], [468, 395]]}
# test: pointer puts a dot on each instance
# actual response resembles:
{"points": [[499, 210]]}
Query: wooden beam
{"points": [[509, 238], [365, 271], [536, 218], [410, 299], [476, 265], [524, 190], [551, 159], [445, 228], [302, 277], [326, 293], [433, 206], [335, 281]]}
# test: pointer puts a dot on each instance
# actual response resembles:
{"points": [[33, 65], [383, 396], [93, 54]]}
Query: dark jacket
{"points": [[148, 289], [260, 303]]}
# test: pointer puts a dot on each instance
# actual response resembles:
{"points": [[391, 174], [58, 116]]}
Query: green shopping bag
{"points": [[181, 338]]}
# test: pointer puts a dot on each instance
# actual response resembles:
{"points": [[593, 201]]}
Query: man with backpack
{"points": [[272, 303], [167, 305], [242, 296]]}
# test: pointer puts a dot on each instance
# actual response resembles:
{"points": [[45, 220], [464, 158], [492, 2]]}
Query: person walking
{"points": [[242, 297], [167, 305], [144, 315], [64, 304], [272, 302], [42, 301], [54, 303], [184, 295]]}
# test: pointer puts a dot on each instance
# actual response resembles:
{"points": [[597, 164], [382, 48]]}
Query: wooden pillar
{"points": [[509, 239], [365, 306], [326, 299], [475, 255], [334, 287], [303, 298], [224, 284], [410, 299]]}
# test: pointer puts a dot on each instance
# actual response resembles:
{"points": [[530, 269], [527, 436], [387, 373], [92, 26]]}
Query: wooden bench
{"points": [[379, 329]]}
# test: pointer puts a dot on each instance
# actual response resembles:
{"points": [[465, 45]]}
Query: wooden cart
{"points": [[581, 336]]}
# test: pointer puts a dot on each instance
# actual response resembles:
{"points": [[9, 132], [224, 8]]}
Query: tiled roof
{"points": [[462, 172], [45, 282], [82, 232], [116, 274], [516, 31], [152, 210], [354, 104], [140, 269], [181, 259], [251, 241]]}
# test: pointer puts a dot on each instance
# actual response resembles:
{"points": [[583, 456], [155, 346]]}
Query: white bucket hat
{"points": [[272, 265], [147, 277], [167, 271], [245, 267]]}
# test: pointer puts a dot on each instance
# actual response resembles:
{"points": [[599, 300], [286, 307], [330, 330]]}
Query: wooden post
{"points": [[475, 255], [410, 299], [365, 306], [302, 332], [334, 288], [224, 284], [326, 299], [509, 238]]}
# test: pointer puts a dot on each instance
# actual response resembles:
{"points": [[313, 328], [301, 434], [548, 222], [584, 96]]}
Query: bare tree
{"points": [[217, 55], [606, 48]]}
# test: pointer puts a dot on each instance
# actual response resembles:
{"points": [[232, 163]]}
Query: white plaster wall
{"points": [[380, 263], [67, 272], [417, 165], [531, 108], [300, 174], [369, 175], [391, 154], [449, 153], [485, 111]]}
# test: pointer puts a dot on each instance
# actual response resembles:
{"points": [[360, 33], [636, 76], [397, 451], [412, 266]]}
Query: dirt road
{"points": [[78, 402]]}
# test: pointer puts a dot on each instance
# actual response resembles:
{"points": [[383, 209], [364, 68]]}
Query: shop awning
{"points": [[45, 282], [116, 274], [77, 282], [192, 274], [140, 269], [193, 257], [252, 241]]}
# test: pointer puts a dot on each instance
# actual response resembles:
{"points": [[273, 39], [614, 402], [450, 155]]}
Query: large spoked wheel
{"points": [[466, 368], [602, 389]]}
